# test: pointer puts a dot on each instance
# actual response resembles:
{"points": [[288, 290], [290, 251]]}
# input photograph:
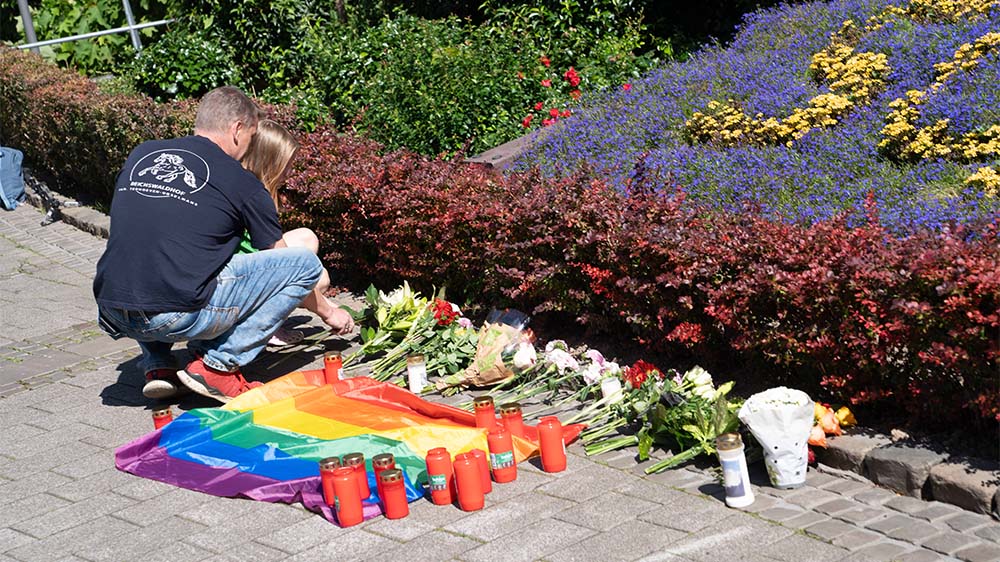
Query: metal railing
{"points": [[132, 29]]}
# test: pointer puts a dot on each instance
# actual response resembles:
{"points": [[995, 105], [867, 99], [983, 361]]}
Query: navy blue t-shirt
{"points": [[179, 209]]}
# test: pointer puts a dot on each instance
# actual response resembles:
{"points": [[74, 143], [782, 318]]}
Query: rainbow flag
{"points": [[266, 444]]}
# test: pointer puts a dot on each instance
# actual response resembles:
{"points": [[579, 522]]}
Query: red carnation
{"points": [[547, 83], [444, 313], [538, 106]]}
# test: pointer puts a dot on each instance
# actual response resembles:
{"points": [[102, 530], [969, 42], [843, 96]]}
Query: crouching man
{"points": [[169, 272]]}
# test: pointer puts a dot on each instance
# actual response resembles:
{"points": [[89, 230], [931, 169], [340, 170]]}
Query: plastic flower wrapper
{"points": [[497, 344], [781, 420]]}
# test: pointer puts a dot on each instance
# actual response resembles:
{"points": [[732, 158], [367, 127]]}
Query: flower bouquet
{"points": [[781, 419], [404, 323], [687, 411], [496, 344]]}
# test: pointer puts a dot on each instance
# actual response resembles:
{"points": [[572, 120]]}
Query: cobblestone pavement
{"points": [[69, 396]]}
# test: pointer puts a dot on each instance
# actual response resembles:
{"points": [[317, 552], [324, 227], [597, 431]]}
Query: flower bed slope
{"points": [[730, 125]]}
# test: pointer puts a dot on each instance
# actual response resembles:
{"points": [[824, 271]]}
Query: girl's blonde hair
{"points": [[270, 153]]}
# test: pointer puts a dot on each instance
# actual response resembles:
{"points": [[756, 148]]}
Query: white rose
{"points": [[698, 377], [556, 344], [525, 356]]}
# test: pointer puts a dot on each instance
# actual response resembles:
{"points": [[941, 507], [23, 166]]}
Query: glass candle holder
{"points": [[416, 373]]}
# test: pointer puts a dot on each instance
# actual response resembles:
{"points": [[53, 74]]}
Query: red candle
{"points": [[484, 469], [501, 455], [326, 468], [469, 482], [510, 413], [440, 476], [357, 462], [486, 415], [333, 367], [550, 440], [381, 463], [162, 416], [394, 503], [347, 498]]}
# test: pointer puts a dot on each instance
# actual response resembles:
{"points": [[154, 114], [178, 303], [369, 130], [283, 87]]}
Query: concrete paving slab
{"points": [[505, 518], [302, 535], [547, 537], [135, 544], [432, 547], [689, 514], [72, 539], [606, 511], [642, 539], [354, 545], [792, 548]]}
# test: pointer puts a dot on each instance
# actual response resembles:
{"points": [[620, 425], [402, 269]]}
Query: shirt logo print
{"points": [[167, 167]]}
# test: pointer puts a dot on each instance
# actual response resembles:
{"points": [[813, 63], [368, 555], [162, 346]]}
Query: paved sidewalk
{"points": [[69, 396]]}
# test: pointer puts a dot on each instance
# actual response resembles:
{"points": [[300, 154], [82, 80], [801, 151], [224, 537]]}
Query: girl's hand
{"points": [[339, 321]]}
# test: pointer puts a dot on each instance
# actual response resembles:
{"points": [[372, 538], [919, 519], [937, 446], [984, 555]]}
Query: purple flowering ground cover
{"points": [[765, 68]]}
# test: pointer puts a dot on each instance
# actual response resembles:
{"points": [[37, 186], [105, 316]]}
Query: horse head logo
{"points": [[168, 167]]}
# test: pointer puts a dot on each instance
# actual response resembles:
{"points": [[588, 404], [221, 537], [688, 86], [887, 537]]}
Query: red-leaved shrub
{"points": [[863, 313], [69, 131]]}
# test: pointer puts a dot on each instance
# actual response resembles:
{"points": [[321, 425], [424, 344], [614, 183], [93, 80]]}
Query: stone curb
{"points": [[916, 470], [64, 208], [907, 468]]}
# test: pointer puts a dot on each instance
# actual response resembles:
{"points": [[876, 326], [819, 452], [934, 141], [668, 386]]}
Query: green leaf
{"points": [[645, 443]]}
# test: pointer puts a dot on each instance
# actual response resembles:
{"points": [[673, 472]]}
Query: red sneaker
{"points": [[162, 383], [220, 385]]}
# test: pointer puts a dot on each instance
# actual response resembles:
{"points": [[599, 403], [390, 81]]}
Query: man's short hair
{"points": [[224, 106]]}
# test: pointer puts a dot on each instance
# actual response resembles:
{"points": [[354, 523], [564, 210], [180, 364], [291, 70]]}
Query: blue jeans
{"points": [[254, 295]]}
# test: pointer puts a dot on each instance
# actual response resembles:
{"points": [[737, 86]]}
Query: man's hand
{"points": [[339, 320]]}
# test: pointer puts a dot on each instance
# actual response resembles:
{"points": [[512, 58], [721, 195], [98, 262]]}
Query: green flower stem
{"points": [[606, 445], [599, 431], [307, 342], [680, 458]]}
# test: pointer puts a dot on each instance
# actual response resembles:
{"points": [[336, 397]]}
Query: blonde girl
{"points": [[269, 158]]}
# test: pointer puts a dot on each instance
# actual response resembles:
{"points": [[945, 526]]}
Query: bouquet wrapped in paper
{"points": [[498, 340], [781, 419]]}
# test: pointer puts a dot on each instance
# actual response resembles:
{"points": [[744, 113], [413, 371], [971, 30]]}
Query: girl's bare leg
{"points": [[338, 319]]}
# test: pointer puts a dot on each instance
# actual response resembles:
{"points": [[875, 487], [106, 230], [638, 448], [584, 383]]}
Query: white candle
{"points": [[611, 387], [416, 373]]}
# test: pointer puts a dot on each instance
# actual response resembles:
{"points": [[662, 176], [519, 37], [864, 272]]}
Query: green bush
{"points": [[434, 85], [63, 18], [264, 36], [183, 64]]}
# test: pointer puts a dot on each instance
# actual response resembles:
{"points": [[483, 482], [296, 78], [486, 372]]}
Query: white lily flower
{"points": [[707, 392], [525, 356]]}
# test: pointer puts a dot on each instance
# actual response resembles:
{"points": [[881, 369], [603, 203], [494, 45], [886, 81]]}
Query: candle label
{"points": [[732, 478], [502, 460], [336, 504], [438, 482]]}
